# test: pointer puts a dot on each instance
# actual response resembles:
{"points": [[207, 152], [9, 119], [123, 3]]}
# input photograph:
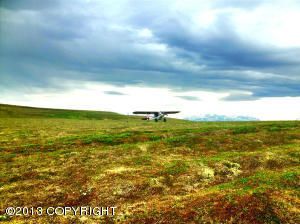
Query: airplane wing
{"points": [[155, 112], [170, 112], [145, 112]]}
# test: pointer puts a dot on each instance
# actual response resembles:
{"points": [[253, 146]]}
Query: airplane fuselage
{"points": [[157, 115]]}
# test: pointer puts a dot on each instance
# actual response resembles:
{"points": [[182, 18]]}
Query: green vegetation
{"points": [[31, 112], [176, 168], [173, 172]]}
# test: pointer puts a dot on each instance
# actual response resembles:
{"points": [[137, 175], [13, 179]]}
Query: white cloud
{"points": [[145, 33], [274, 22], [92, 96]]}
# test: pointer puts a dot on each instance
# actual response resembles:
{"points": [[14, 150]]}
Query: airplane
{"points": [[157, 115]]}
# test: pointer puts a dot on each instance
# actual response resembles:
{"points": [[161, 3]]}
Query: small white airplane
{"points": [[157, 115]]}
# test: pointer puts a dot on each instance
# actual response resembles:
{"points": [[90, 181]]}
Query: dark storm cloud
{"points": [[221, 47], [138, 43], [29, 4], [114, 93], [192, 98], [239, 97]]}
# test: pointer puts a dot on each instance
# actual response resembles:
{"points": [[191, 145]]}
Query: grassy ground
{"points": [[173, 172]]}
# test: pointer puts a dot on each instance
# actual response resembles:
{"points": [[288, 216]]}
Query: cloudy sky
{"points": [[219, 56]]}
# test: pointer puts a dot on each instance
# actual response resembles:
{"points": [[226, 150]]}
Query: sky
{"points": [[229, 57]]}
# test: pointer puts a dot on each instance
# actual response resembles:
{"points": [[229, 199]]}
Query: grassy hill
{"points": [[173, 172], [33, 112]]}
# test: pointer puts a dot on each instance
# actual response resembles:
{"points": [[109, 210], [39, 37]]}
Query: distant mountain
{"points": [[217, 117]]}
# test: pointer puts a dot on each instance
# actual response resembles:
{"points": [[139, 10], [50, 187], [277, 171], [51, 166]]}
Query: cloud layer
{"points": [[249, 49]]}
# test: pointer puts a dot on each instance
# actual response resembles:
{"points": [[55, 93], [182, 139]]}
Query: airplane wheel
{"points": [[156, 120], [165, 120]]}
